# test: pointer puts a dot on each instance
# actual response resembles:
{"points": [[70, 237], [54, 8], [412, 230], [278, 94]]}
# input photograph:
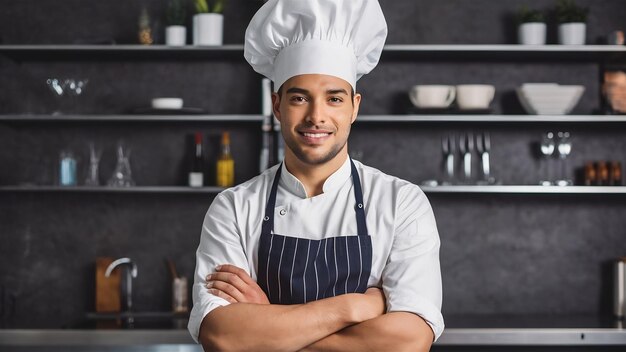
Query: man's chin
{"points": [[315, 159]]}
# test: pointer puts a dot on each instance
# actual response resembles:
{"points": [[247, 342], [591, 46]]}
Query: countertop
{"points": [[477, 330]]}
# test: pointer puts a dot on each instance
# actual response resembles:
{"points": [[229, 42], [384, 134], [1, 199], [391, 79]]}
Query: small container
{"points": [[179, 295], [67, 169], [602, 173], [590, 174], [619, 280], [615, 173]]}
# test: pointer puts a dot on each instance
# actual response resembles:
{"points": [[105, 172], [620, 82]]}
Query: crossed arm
{"points": [[346, 322]]}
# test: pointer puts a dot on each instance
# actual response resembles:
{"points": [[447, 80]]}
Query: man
{"points": [[320, 252]]}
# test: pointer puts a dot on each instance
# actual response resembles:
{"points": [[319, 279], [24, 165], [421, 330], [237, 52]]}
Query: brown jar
{"points": [[615, 174], [602, 173], [591, 178]]}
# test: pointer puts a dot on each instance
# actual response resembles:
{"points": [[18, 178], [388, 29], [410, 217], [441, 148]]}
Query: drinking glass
{"points": [[122, 176], [94, 165], [547, 148], [564, 148]]}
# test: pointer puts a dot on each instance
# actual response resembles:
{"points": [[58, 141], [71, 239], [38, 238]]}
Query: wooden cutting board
{"points": [[107, 288]]}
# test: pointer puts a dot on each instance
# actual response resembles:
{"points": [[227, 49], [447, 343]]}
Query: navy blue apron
{"points": [[296, 270]]}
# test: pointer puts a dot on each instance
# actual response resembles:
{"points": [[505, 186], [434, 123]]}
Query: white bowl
{"points": [[549, 98], [167, 103]]}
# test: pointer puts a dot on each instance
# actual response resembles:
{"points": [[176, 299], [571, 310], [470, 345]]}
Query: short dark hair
{"points": [[280, 93]]}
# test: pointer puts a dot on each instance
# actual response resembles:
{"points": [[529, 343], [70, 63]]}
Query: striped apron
{"points": [[296, 270]]}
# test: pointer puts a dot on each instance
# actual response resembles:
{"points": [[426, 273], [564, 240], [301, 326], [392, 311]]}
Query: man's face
{"points": [[315, 113]]}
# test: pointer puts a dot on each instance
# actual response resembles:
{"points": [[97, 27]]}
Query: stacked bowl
{"points": [[549, 98]]}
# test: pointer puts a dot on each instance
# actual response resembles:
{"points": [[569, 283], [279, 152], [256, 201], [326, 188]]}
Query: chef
{"points": [[320, 252]]}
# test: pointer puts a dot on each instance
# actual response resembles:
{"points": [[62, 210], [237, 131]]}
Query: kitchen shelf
{"points": [[361, 118], [120, 52], [131, 118], [451, 52], [106, 189], [494, 118], [458, 189], [498, 52], [525, 189]]}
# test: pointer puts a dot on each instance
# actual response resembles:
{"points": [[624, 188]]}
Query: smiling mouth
{"points": [[315, 135]]}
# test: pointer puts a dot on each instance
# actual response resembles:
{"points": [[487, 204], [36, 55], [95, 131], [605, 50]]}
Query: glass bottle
{"points": [[196, 173], [225, 164], [67, 168]]}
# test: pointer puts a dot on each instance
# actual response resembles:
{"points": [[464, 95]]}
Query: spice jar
{"points": [[615, 174], [590, 174], [602, 173]]}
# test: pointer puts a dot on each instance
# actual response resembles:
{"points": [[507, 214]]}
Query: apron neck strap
{"points": [[268, 219]]}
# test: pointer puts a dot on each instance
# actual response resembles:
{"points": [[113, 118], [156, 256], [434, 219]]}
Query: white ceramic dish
{"points": [[167, 103], [549, 98]]}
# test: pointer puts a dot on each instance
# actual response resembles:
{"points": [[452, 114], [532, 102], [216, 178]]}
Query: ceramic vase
{"points": [[175, 35], [532, 33], [572, 33], [208, 29]]}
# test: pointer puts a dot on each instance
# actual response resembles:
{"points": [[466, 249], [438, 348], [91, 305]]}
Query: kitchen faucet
{"points": [[131, 273]]}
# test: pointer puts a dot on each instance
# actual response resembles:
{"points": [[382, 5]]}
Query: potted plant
{"points": [[208, 22], [572, 22], [532, 27], [176, 32]]}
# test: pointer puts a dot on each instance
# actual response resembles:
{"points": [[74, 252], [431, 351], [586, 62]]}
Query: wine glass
{"points": [[564, 148], [94, 163], [122, 176], [71, 87], [547, 148]]}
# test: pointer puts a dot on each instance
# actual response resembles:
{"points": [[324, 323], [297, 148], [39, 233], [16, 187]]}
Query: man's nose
{"points": [[316, 111]]}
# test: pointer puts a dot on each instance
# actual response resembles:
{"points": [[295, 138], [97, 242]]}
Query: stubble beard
{"points": [[309, 159]]}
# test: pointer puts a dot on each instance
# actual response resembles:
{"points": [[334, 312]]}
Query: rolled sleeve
{"points": [[220, 243], [412, 275]]}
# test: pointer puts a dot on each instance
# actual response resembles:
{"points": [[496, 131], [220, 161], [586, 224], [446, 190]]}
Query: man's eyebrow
{"points": [[328, 92], [297, 90], [337, 91]]}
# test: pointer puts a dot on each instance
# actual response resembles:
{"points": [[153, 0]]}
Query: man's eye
{"points": [[298, 99], [335, 100]]}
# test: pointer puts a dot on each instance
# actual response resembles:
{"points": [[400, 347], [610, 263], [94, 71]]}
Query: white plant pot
{"points": [[572, 33], [175, 35], [532, 33], [208, 29]]}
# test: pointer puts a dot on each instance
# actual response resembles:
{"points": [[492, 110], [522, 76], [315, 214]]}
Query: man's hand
{"points": [[235, 285]]}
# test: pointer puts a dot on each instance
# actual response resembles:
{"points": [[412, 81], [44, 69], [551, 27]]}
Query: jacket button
{"points": [[283, 212]]}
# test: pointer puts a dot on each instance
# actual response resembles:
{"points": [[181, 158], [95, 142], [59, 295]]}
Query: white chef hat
{"points": [[341, 38]]}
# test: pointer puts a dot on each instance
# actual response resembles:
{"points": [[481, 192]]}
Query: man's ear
{"points": [[357, 103], [276, 105]]}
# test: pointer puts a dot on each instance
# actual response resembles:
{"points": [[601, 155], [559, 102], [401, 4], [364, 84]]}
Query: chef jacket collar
{"points": [[333, 182]]}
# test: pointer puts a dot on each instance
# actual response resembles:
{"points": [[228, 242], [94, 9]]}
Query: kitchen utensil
{"points": [[483, 147], [122, 176], [619, 288], [547, 147], [466, 148], [107, 288], [432, 96], [448, 148], [94, 164], [474, 96], [167, 103], [549, 98], [564, 148], [71, 87]]}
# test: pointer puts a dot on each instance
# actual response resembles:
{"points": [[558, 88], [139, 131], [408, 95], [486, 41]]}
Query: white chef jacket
{"points": [[400, 221]]}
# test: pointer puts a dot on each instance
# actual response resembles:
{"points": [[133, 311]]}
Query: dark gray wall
{"points": [[500, 253]]}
